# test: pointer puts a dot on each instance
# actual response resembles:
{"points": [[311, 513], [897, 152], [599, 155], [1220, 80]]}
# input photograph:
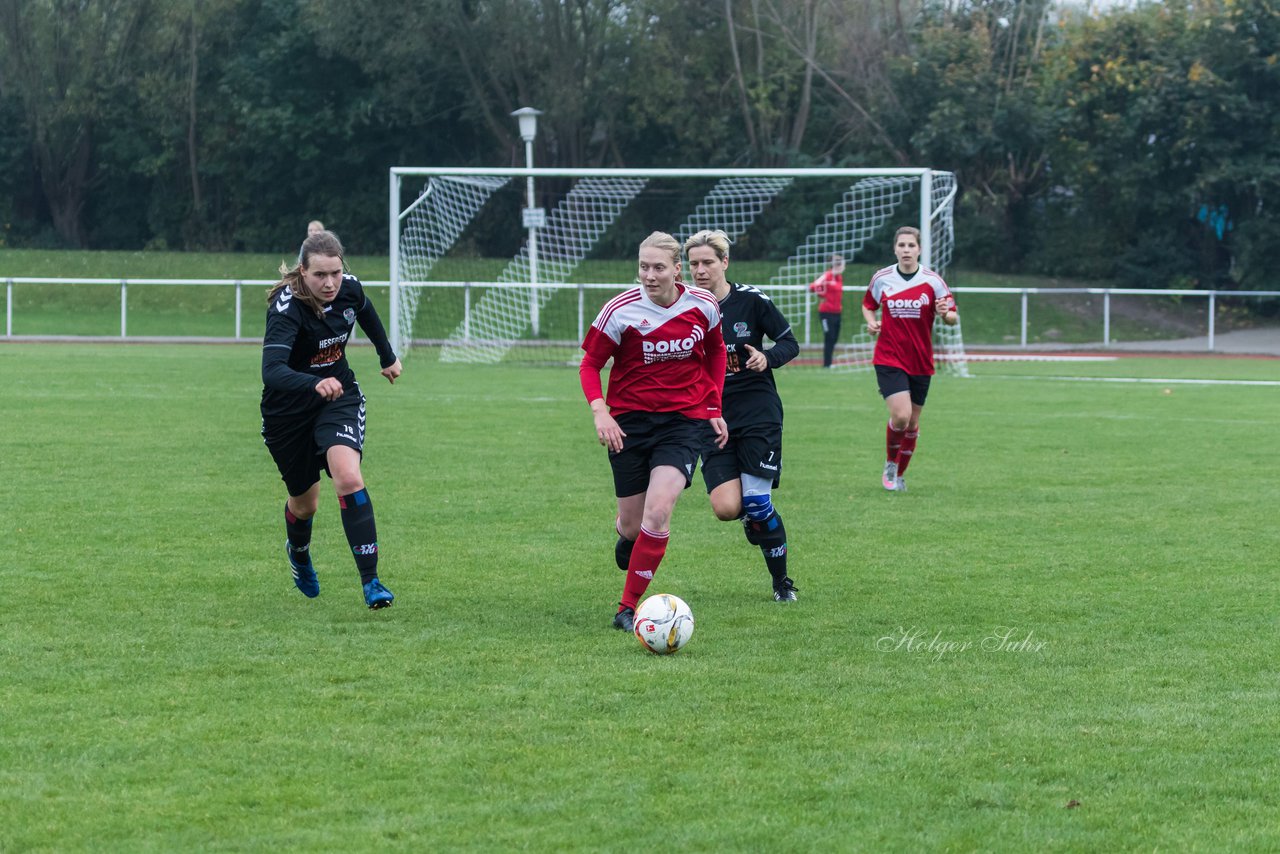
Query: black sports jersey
{"points": [[299, 349], [751, 397]]}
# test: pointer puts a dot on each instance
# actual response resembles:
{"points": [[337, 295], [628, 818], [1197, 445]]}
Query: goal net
{"points": [[479, 275]]}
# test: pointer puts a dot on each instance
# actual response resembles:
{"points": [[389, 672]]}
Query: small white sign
{"points": [[535, 217]]}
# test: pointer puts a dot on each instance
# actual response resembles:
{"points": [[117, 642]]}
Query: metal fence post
{"points": [[1024, 318], [1106, 318], [239, 290], [582, 300], [466, 312], [124, 308], [8, 308], [1213, 306]]}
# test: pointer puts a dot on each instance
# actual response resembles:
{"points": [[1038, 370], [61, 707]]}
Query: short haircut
{"points": [[715, 238]]}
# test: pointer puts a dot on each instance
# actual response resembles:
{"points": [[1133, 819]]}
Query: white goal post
{"points": [[478, 276]]}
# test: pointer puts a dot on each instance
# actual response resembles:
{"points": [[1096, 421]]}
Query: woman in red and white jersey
{"points": [[662, 410], [909, 298]]}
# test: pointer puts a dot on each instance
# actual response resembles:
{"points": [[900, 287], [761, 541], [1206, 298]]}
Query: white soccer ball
{"points": [[663, 623]]}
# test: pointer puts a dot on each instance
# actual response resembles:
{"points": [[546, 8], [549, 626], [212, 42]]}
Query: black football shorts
{"points": [[657, 439], [300, 444], [753, 450], [894, 380]]}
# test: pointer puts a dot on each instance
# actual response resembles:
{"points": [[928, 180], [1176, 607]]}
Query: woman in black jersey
{"points": [[313, 415], [741, 476]]}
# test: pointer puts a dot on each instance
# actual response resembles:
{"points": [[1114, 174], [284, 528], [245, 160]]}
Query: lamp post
{"points": [[534, 217]]}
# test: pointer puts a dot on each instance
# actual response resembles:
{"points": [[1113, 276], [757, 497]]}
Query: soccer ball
{"points": [[663, 623]]}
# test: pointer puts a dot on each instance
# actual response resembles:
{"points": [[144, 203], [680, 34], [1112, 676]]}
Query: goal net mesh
{"points": [[473, 287]]}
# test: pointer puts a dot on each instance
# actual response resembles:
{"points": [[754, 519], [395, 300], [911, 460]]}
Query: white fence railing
{"points": [[1108, 293], [805, 328]]}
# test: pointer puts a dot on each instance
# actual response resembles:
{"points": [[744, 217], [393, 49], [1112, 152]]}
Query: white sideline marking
{"points": [[1137, 380], [1018, 357]]}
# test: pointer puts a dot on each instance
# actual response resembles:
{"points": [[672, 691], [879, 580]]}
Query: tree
{"points": [[66, 61], [1170, 137]]}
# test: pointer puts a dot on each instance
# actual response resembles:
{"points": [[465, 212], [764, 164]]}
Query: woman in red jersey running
{"points": [[909, 298], [663, 407]]}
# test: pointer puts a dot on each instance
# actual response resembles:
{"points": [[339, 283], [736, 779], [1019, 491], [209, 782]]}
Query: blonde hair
{"points": [[321, 243], [662, 240], [715, 238]]}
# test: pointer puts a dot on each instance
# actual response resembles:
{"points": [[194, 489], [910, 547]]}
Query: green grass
{"points": [[166, 688]]}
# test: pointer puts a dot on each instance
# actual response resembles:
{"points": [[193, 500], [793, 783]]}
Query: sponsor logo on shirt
{"points": [[671, 349], [330, 351], [349, 315], [906, 307], [741, 330]]}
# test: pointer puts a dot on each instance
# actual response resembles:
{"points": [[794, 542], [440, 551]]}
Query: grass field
{"points": [[1061, 639]]}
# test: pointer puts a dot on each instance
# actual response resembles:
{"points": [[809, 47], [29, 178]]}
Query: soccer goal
{"points": [[477, 275]]}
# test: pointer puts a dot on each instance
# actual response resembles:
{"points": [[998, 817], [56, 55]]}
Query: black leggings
{"points": [[830, 335]]}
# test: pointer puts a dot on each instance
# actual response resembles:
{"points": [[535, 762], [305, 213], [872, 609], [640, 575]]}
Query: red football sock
{"points": [[907, 450], [892, 442], [645, 557]]}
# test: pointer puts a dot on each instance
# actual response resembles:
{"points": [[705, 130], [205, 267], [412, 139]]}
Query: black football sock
{"points": [[622, 552], [298, 532], [362, 534], [771, 536]]}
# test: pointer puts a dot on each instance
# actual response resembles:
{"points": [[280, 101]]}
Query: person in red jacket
{"points": [[663, 409], [909, 298], [830, 287]]}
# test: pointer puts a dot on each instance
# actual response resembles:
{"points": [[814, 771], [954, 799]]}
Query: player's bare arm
{"points": [[873, 325]]}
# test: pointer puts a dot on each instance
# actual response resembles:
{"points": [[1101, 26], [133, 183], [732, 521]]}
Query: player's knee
{"points": [[304, 506], [758, 508], [726, 508], [345, 483]]}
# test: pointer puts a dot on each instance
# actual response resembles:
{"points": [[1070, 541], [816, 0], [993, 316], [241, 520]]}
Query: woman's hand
{"points": [[722, 431], [329, 388], [608, 431], [392, 371]]}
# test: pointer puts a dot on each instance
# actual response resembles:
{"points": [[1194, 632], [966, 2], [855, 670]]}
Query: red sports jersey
{"points": [[664, 359], [908, 306], [829, 286]]}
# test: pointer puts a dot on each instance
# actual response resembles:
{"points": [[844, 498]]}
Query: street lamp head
{"points": [[528, 118]]}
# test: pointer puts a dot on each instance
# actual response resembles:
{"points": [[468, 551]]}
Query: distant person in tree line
{"points": [[314, 227], [313, 411], [909, 298], [830, 287], [663, 407], [741, 476]]}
